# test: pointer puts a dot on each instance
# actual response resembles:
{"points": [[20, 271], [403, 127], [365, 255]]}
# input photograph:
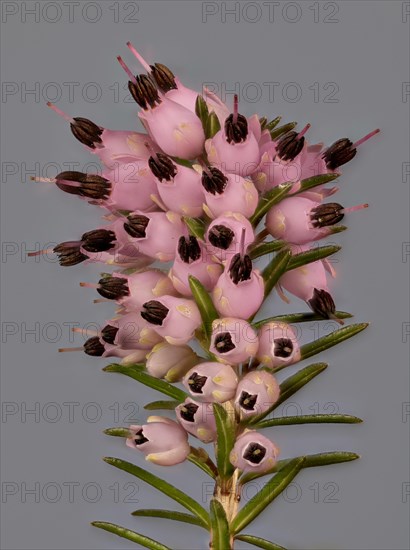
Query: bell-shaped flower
{"points": [[253, 452], [197, 418], [211, 382], [233, 340], [170, 362], [256, 393], [225, 234], [278, 345]]}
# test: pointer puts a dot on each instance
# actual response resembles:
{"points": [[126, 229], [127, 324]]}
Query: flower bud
{"points": [[228, 192], [170, 362], [212, 382], [162, 441], [192, 258], [178, 186], [253, 452], [233, 340], [224, 235], [256, 393], [197, 419], [239, 280], [156, 233], [278, 345], [175, 319]]}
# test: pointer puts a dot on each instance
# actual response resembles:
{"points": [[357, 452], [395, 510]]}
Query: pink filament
{"points": [[126, 69], [365, 138], [46, 180], [60, 112], [139, 57], [40, 252], [64, 350], [354, 208], [303, 131], [235, 108], [89, 285]]}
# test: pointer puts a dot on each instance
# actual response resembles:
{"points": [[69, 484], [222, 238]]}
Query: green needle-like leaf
{"points": [[204, 303], [321, 459], [291, 385], [212, 125], [272, 197], [161, 405], [260, 543], [308, 419], [309, 183], [201, 459], [148, 380], [167, 514], [225, 425], [330, 340], [201, 110], [273, 123], [176, 494], [196, 227], [117, 432], [275, 269], [261, 249], [147, 542], [266, 495], [298, 260], [300, 318], [277, 132], [221, 538]]}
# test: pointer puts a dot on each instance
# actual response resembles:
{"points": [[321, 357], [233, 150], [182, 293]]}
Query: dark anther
{"points": [[144, 92], [223, 342], [164, 77], [109, 333], [240, 268], [162, 167], [326, 214], [214, 181], [86, 131], [113, 288], [339, 153], [140, 438], [189, 249], [247, 401], [322, 303], [98, 240], [136, 226], [91, 186], [290, 146], [94, 347], [254, 453], [187, 411], [155, 312], [221, 236], [69, 253], [283, 347], [196, 382], [236, 131]]}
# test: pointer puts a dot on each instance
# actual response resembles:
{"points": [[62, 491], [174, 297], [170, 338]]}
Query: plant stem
{"points": [[227, 491]]}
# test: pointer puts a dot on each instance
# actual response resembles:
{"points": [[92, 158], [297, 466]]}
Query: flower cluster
{"points": [[190, 196]]}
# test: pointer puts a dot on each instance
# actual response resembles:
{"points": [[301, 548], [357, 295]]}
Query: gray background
{"points": [[366, 54]]}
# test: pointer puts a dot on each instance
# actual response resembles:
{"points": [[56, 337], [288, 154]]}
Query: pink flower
{"points": [[239, 280], [278, 345], [234, 148], [178, 186], [170, 362], [233, 340], [215, 382], [197, 419], [130, 332], [162, 441], [156, 233], [175, 319], [301, 220], [228, 192], [132, 291], [192, 259], [253, 452], [256, 393]]}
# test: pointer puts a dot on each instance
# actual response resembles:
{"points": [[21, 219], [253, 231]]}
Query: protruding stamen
{"points": [[146, 65], [189, 249], [94, 347], [213, 180], [89, 285], [69, 253], [235, 108], [109, 333], [85, 331], [155, 312], [355, 208], [365, 138], [126, 69], [221, 236], [164, 77], [236, 125], [137, 225], [40, 252], [322, 303], [290, 145], [303, 131], [113, 288], [162, 167], [45, 180], [223, 342], [60, 112], [65, 350], [144, 92], [99, 240]]}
